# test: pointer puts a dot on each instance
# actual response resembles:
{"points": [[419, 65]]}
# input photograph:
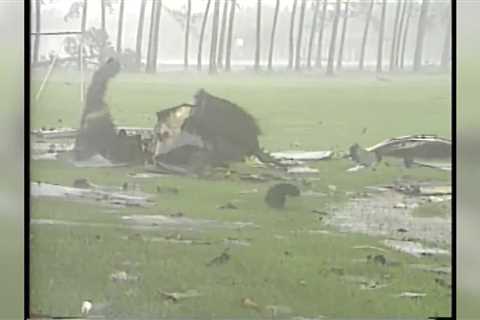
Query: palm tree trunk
{"points": [[447, 40], [152, 67], [272, 35], [221, 44], [331, 51], [214, 41], [231, 19], [342, 39], [257, 43], [361, 63], [312, 34], [202, 34], [141, 19], [380, 37], [291, 44], [394, 36], [120, 27], [405, 34], [298, 53], [399, 34], [36, 43], [422, 20], [150, 38], [187, 34], [83, 29], [318, 59], [103, 20]]}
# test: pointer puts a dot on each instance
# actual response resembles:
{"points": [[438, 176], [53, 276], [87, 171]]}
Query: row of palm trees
{"points": [[222, 29]]}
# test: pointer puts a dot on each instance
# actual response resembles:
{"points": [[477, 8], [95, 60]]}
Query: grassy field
{"points": [[311, 274]]}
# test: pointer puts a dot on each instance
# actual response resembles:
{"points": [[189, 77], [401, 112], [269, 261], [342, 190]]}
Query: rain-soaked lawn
{"points": [[287, 262]]}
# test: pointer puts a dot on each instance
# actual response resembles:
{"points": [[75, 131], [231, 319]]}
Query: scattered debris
{"points": [[302, 155], [277, 194], [237, 242], [223, 258], [443, 283], [377, 259], [412, 295], [110, 198], [178, 296], [302, 170], [370, 248], [86, 307], [167, 190], [433, 269], [400, 205], [122, 276], [414, 248], [427, 148]]}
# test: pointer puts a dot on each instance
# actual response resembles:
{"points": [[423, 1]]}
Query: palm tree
{"points": [[381, 36], [342, 39], [312, 34], [231, 19], [298, 54], [447, 40], [365, 36], [318, 59], [422, 20], [331, 51], [292, 26], [120, 26], [202, 33], [221, 44], [212, 67], [257, 45], [405, 34], [394, 36], [187, 34], [36, 44], [272, 35], [399, 33], [141, 19]]}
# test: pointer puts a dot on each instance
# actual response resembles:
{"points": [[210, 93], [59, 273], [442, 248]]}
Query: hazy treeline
{"points": [[215, 35]]}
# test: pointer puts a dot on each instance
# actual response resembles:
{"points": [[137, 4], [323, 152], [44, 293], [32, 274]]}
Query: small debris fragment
{"points": [[82, 183], [221, 259], [332, 187], [228, 206], [377, 259], [86, 307], [412, 295], [400, 205], [167, 190], [414, 248], [250, 304], [277, 195], [177, 296]]}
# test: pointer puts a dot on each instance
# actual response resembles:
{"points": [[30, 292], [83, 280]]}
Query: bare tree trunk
{"points": [[272, 35], [405, 34], [361, 63], [202, 34], [141, 19], [231, 19], [318, 60], [394, 36], [148, 67], [36, 43], [380, 37], [331, 51], [399, 33], [221, 44], [422, 20], [298, 54], [83, 29], [120, 26], [152, 68], [447, 41], [257, 45], [212, 68], [312, 34], [342, 39], [291, 45], [187, 34]]}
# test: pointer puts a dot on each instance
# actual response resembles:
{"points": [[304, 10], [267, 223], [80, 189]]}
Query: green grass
{"points": [[71, 264]]}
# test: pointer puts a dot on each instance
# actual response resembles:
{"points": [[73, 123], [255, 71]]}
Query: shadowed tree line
{"points": [[318, 31]]}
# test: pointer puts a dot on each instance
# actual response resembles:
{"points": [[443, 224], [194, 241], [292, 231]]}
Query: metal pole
{"points": [[47, 76]]}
